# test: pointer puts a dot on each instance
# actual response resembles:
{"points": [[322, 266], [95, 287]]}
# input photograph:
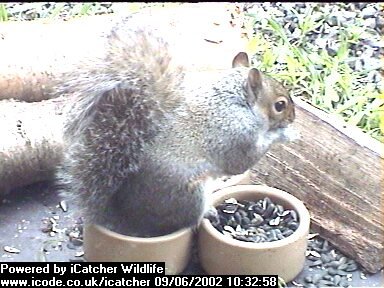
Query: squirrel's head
{"points": [[267, 94]]}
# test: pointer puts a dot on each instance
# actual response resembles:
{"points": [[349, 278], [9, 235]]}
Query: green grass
{"points": [[325, 81], [68, 10], [3, 12]]}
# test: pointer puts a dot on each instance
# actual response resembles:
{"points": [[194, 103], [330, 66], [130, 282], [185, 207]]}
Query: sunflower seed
{"points": [[266, 202], [275, 222], [230, 209], [315, 263], [245, 221], [77, 242], [315, 254], [237, 217], [293, 225], [294, 215], [343, 260], [11, 249], [323, 283], [259, 210], [325, 247], [362, 276], [280, 210], [342, 266], [313, 235], [229, 229], [311, 257], [63, 206], [336, 279], [308, 279], [351, 267], [328, 277], [344, 283], [243, 213], [326, 258], [257, 220], [333, 264], [333, 271], [231, 201], [232, 222], [297, 284], [268, 212], [287, 232], [317, 277]]}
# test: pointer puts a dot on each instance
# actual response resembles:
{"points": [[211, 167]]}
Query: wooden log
{"points": [[30, 141], [337, 172]]}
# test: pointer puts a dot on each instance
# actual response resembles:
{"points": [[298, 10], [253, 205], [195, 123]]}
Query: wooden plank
{"points": [[337, 172]]}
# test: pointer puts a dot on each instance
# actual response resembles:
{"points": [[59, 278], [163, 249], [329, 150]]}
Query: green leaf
{"points": [[331, 94], [85, 9], [269, 58], [56, 11], [343, 51], [3, 13], [253, 45]]}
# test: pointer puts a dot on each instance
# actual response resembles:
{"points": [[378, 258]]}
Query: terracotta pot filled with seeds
{"points": [[174, 249], [258, 230]]}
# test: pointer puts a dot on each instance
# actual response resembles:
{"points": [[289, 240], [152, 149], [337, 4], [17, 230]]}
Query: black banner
{"points": [[85, 274]]}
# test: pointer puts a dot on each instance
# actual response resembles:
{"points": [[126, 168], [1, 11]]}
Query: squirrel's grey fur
{"points": [[139, 142]]}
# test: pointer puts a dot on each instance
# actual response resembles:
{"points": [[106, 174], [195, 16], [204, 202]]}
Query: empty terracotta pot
{"points": [[223, 255], [103, 245]]}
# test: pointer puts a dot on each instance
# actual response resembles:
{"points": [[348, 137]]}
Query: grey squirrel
{"points": [[140, 143]]}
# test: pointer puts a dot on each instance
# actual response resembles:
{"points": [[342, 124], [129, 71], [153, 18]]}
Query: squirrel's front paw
{"points": [[212, 215]]}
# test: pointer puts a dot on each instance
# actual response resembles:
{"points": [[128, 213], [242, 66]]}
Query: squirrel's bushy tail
{"points": [[117, 102], [136, 63]]}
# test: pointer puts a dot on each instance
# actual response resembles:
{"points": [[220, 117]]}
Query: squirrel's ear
{"points": [[241, 59], [254, 79], [254, 85]]}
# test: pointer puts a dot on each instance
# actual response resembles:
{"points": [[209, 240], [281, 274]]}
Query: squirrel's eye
{"points": [[280, 105]]}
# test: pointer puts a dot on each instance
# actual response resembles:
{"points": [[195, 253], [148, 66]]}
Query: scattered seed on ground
{"points": [[11, 249]]}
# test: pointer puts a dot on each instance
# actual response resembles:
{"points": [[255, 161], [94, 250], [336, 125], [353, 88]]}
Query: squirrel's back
{"points": [[116, 103]]}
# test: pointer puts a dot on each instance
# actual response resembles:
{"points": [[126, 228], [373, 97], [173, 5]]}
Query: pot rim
{"points": [[297, 205], [148, 240]]}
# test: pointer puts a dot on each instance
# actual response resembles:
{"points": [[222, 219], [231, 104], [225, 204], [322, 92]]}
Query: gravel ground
{"points": [[37, 226]]}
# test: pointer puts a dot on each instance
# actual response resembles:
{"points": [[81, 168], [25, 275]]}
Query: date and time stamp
{"points": [[217, 281]]}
